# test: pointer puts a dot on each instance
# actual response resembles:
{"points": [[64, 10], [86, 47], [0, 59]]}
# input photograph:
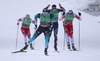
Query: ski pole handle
{"points": [[48, 6], [60, 5], [79, 13]]}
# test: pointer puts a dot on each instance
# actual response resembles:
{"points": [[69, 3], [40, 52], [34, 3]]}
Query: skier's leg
{"points": [[36, 34], [46, 33], [50, 32], [72, 42], [66, 28], [55, 35], [29, 36], [24, 34], [72, 38], [68, 41], [25, 39]]}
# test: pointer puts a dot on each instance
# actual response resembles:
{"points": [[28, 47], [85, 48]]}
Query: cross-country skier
{"points": [[55, 11], [68, 26], [46, 20], [26, 21]]}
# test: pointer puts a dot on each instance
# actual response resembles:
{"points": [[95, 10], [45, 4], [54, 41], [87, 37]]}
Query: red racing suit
{"points": [[68, 23], [25, 26]]}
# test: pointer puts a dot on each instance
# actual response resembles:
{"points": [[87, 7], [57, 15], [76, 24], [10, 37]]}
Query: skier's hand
{"points": [[50, 28], [60, 18], [48, 6], [79, 13], [18, 23], [35, 27]]}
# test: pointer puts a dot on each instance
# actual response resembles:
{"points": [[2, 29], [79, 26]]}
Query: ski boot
{"points": [[24, 48], [68, 46], [45, 52], [55, 47], [25, 43], [31, 47], [74, 49]]}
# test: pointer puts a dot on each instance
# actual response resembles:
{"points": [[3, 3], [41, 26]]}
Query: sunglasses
{"points": [[27, 18], [45, 12], [70, 13], [53, 8]]}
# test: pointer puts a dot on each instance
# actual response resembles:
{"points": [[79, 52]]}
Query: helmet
{"points": [[44, 10], [70, 12], [53, 6]]}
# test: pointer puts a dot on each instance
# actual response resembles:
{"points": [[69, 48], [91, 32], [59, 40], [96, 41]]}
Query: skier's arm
{"points": [[33, 21], [61, 9], [78, 17], [19, 20], [62, 17], [35, 18], [48, 6]]}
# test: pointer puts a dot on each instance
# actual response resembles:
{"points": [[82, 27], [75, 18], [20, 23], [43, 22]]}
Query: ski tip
{"points": [[46, 55], [18, 52], [58, 51]]}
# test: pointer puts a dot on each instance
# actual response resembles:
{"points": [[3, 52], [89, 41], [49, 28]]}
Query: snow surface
{"points": [[11, 10]]}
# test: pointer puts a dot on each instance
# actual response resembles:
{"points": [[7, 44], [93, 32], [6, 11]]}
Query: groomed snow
{"points": [[11, 10]]}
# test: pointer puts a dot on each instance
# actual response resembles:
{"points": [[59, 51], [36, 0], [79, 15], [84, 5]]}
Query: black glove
{"points": [[79, 13], [51, 25], [35, 27]]}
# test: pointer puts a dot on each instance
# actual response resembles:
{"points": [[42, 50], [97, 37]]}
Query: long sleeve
{"points": [[35, 18], [33, 21], [19, 20], [78, 17]]}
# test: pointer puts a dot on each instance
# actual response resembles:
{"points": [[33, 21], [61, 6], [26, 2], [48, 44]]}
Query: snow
{"points": [[11, 10]]}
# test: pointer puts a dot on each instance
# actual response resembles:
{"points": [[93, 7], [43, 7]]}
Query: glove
{"points": [[79, 13], [51, 25], [48, 6], [35, 27], [18, 23], [60, 18]]}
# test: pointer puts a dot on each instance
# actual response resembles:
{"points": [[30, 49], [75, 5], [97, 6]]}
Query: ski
{"points": [[58, 51], [73, 50], [19, 52], [46, 55]]}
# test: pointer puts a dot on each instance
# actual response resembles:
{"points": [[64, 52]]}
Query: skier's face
{"points": [[70, 14], [45, 14], [27, 16], [53, 9]]}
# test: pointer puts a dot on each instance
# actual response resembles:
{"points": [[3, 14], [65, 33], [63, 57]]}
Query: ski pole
{"points": [[64, 41], [64, 31], [79, 29], [17, 36], [79, 35]]}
